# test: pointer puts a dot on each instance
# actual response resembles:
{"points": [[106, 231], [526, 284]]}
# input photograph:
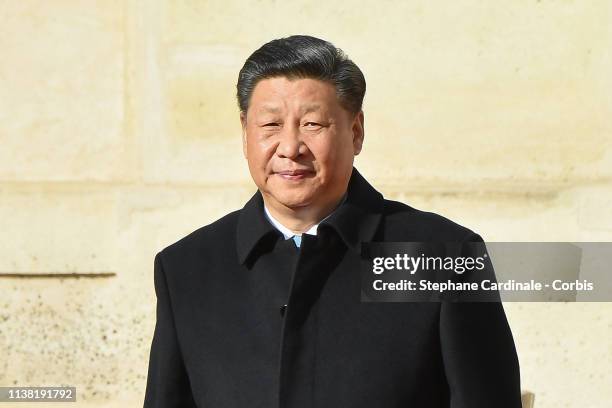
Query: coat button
{"points": [[282, 310]]}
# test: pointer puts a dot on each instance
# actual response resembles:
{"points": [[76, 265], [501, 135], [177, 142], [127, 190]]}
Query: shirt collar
{"points": [[355, 219], [287, 233]]}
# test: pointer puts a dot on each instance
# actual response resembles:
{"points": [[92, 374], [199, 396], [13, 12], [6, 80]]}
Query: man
{"points": [[262, 307]]}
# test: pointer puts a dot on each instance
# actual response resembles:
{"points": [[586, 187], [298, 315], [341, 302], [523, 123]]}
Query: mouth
{"points": [[294, 174]]}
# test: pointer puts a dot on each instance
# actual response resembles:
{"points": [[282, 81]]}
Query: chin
{"points": [[293, 201], [296, 203]]}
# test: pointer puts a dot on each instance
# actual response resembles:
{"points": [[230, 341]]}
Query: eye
{"points": [[312, 124], [271, 124]]}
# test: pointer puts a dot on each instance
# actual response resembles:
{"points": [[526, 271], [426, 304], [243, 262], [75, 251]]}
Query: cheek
{"points": [[259, 151], [262, 142], [331, 155]]}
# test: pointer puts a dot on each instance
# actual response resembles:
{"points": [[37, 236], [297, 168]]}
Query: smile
{"points": [[294, 175]]}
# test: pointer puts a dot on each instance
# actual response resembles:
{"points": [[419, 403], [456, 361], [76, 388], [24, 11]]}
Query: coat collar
{"points": [[355, 220]]}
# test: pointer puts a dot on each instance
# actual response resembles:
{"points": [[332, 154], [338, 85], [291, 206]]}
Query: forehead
{"points": [[280, 94]]}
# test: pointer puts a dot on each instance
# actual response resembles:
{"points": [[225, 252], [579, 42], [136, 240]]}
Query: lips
{"points": [[293, 172], [297, 174]]}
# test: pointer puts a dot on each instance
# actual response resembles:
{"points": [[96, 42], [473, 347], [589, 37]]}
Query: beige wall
{"points": [[119, 134]]}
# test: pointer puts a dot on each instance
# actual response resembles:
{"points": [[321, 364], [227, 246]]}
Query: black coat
{"points": [[224, 340]]}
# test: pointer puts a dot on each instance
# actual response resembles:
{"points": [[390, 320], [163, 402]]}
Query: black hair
{"points": [[303, 56]]}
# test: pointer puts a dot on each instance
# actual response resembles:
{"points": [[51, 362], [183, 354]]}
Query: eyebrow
{"points": [[271, 109], [311, 108]]}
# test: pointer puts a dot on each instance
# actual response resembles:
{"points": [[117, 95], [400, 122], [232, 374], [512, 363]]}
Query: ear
{"points": [[358, 132], [243, 122]]}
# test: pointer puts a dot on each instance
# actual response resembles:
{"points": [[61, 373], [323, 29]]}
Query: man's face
{"points": [[299, 142]]}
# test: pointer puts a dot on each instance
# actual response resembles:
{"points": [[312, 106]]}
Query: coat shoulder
{"points": [[210, 238], [404, 222]]}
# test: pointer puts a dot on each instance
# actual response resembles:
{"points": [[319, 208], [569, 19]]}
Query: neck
{"points": [[300, 219]]}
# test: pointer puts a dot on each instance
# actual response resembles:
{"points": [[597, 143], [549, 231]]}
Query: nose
{"points": [[290, 144]]}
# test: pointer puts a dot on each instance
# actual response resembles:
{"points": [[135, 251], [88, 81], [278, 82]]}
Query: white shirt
{"points": [[287, 233]]}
